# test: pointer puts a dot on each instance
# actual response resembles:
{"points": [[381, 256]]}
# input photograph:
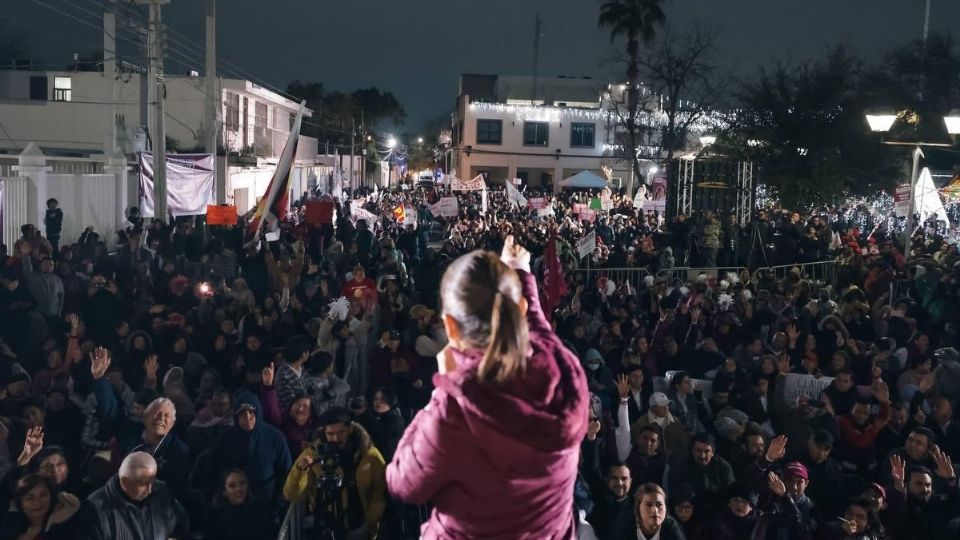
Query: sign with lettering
{"points": [[225, 214], [792, 386]]}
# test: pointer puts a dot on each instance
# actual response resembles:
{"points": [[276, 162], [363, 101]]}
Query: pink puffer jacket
{"points": [[499, 462]]}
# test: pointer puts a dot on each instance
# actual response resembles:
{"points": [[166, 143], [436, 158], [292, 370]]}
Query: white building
{"points": [[67, 113], [504, 130]]}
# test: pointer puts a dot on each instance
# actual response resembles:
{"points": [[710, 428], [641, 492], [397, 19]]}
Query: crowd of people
{"points": [[178, 380]]}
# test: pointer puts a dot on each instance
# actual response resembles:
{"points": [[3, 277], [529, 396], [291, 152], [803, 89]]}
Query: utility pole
{"points": [[212, 101], [536, 58], [926, 24], [155, 39], [110, 67], [353, 143]]}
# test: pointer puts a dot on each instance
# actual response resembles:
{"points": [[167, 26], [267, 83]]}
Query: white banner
{"points": [[483, 202], [357, 212], [792, 386], [476, 184], [189, 184], [514, 197], [447, 207], [587, 244]]}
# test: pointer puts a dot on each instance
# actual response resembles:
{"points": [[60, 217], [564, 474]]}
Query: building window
{"points": [[536, 133], [582, 135], [38, 88], [489, 131], [233, 112], [62, 88]]}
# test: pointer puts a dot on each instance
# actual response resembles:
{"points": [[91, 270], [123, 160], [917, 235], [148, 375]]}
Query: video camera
{"points": [[330, 479]]}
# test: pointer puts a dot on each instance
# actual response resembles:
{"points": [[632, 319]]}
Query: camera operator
{"points": [[343, 476], [791, 231], [760, 241]]}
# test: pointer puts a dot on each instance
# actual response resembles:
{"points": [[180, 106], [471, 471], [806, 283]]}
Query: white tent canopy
{"points": [[585, 180]]}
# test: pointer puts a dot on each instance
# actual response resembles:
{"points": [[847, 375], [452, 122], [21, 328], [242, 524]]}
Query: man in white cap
{"points": [[674, 438], [133, 504]]}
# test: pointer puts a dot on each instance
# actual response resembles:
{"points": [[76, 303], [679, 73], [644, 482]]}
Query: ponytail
{"points": [[506, 352]]}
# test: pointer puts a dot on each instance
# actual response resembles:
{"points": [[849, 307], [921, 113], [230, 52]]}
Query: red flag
{"points": [[276, 199], [399, 213], [555, 285]]}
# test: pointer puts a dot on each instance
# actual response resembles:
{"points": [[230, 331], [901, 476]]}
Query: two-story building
{"points": [[70, 113], [503, 128]]}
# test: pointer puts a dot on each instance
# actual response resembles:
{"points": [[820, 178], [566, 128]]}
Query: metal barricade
{"points": [[690, 274], [633, 276], [819, 273], [292, 526]]}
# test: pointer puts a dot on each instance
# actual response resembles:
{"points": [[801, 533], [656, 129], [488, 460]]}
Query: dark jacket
{"points": [[607, 511], [928, 521], [250, 521], [626, 529], [173, 462], [262, 453], [110, 515], [709, 483], [61, 524]]}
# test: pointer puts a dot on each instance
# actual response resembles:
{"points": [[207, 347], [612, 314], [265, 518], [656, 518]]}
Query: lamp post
{"points": [[882, 122]]}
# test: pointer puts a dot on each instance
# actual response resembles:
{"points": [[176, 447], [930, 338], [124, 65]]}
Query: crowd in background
{"points": [[178, 380]]}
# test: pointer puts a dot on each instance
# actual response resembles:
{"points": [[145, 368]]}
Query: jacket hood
{"points": [[836, 322], [66, 507], [128, 345], [544, 409], [246, 397]]}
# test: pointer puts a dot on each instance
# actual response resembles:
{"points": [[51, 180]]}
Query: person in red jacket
{"points": [[496, 450], [858, 430]]}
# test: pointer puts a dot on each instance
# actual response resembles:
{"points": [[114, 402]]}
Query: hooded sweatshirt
{"points": [[499, 461]]}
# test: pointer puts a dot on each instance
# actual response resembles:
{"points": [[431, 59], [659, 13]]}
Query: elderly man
{"points": [[133, 504], [171, 454]]}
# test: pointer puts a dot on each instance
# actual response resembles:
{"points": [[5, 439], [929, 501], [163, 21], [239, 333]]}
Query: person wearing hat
{"points": [[428, 339], [739, 519], [254, 446], [674, 440], [787, 492], [361, 287]]}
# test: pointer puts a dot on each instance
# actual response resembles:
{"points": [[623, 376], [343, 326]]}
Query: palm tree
{"points": [[637, 20]]}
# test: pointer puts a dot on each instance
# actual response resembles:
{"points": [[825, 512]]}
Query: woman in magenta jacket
{"points": [[497, 447]]}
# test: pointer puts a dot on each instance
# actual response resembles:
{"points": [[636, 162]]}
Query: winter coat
{"points": [[249, 521], [711, 235], [60, 524], [110, 515], [499, 461], [261, 453], [370, 480], [47, 289], [709, 483]]}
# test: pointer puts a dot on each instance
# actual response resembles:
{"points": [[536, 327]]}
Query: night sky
{"points": [[417, 48]]}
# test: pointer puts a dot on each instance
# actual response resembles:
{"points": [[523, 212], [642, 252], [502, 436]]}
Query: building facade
{"points": [[511, 127]]}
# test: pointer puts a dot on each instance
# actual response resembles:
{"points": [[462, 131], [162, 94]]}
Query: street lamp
{"points": [[419, 140], [883, 122], [391, 143]]}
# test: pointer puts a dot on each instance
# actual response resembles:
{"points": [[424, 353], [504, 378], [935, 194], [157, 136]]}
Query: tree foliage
{"points": [[338, 115]]}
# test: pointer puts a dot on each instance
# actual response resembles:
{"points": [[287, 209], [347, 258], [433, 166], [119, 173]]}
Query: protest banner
{"points": [[587, 215], [399, 213], [792, 386], [447, 207], [537, 203], [225, 214], [587, 244], [319, 212], [477, 184]]}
